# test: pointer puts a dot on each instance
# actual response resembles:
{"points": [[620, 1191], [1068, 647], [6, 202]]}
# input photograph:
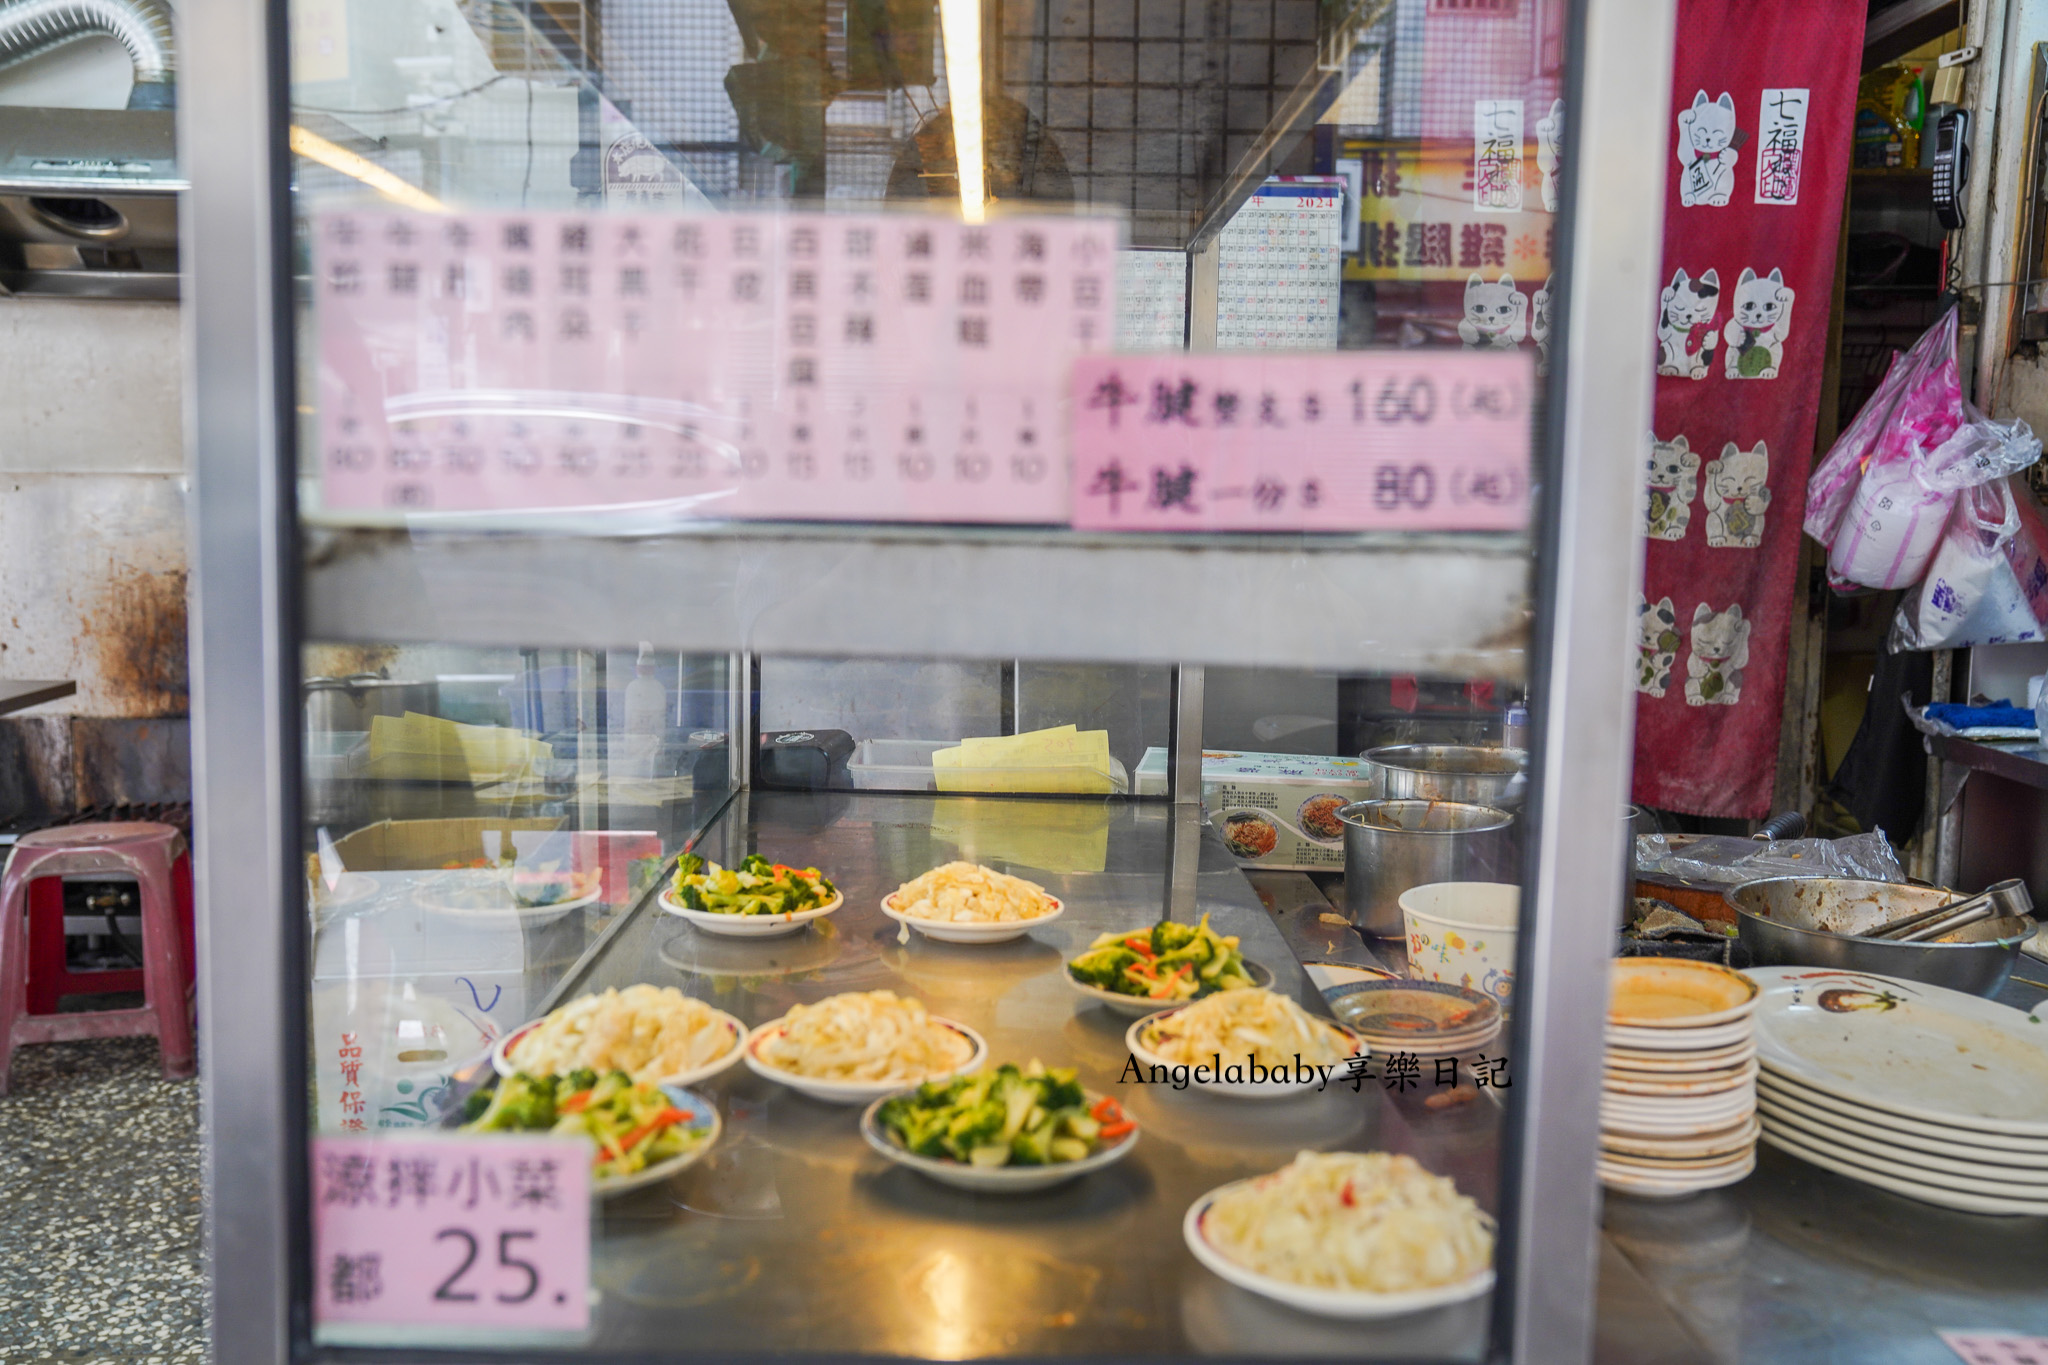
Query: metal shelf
{"points": [[1441, 603]]}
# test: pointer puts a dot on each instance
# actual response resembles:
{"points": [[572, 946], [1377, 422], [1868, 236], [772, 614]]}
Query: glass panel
{"points": [[1291, 176], [476, 820]]}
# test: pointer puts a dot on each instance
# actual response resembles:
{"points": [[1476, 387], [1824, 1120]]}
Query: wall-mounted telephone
{"points": [[1951, 166]]}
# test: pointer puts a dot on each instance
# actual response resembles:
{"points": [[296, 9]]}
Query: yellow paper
{"points": [[1060, 759], [427, 748], [1055, 836]]}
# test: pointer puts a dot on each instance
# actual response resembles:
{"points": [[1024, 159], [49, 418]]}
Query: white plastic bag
{"points": [[1972, 594], [1918, 402], [1896, 520]]}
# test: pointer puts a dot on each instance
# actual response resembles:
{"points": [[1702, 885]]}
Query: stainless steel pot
{"points": [[1448, 772], [1816, 922], [1391, 846], [346, 705]]}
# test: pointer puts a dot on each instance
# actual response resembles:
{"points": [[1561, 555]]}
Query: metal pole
{"points": [[1591, 564], [252, 981], [1184, 783]]}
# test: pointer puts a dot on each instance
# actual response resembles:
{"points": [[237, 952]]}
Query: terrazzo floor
{"points": [[99, 1209]]}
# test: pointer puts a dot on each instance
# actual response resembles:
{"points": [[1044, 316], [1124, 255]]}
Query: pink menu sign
{"points": [[1343, 441], [425, 1230], [1998, 1348], [829, 366]]}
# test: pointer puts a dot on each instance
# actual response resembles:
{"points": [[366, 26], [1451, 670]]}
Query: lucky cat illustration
{"points": [[1720, 651], [1706, 134], [1686, 332], [1757, 324], [1671, 486], [1539, 325], [1496, 314], [1657, 641], [1736, 494], [1549, 140]]}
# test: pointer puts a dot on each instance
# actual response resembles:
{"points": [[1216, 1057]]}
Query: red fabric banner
{"points": [[1763, 103]]}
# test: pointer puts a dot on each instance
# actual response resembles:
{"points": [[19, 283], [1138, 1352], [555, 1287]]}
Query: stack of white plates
{"points": [[1916, 1089], [1678, 1092], [1425, 1018]]}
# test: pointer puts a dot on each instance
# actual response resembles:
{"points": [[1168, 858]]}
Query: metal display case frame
{"points": [[261, 588]]}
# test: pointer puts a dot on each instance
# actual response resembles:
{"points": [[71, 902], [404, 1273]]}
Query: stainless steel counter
{"points": [[1796, 1264], [795, 1236]]}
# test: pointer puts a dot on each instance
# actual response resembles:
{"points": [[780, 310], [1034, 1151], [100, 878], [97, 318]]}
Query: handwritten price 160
{"points": [[1415, 400]]}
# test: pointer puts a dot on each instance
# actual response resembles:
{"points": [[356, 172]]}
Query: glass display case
{"points": [[635, 436]]}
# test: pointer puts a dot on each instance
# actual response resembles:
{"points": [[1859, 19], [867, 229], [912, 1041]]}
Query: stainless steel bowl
{"points": [[1393, 846], [1816, 922], [1448, 772]]}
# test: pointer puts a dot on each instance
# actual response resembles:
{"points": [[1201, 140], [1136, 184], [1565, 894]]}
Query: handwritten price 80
{"points": [[1403, 488]]}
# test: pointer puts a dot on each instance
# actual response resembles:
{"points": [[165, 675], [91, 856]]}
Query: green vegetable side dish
{"points": [[755, 887], [1036, 1116], [1174, 962], [634, 1126]]}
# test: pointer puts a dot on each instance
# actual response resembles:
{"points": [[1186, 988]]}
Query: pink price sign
{"points": [[1997, 1348], [1352, 441], [426, 1230]]}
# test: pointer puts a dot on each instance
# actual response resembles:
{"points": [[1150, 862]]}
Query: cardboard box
{"points": [[1274, 811]]}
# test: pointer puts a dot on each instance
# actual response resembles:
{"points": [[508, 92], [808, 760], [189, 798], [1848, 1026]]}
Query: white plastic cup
{"points": [[1464, 933]]}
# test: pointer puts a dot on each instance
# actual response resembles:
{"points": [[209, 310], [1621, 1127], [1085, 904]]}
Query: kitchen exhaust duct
{"points": [[30, 28]]}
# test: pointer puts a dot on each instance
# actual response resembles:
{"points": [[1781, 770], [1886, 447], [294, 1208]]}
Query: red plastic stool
{"points": [[154, 856]]}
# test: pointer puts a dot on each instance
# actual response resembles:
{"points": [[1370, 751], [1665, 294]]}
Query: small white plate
{"points": [[1246, 1089], [1664, 1126], [857, 1092], [1629, 1182], [1642, 1120], [1675, 978], [1677, 1169], [1631, 1059], [1957, 1142], [955, 931], [1680, 1039], [530, 914], [703, 1118], [501, 1063], [1713, 1143], [1686, 1083], [1741, 1096], [1137, 1005], [989, 1179], [746, 926], [1944, 1195], [1356, 1305]]}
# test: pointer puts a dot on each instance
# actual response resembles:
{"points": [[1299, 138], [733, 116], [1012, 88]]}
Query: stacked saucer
{"points": [[1678, 1092], [1907, 1086], [1425, 1018]]}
